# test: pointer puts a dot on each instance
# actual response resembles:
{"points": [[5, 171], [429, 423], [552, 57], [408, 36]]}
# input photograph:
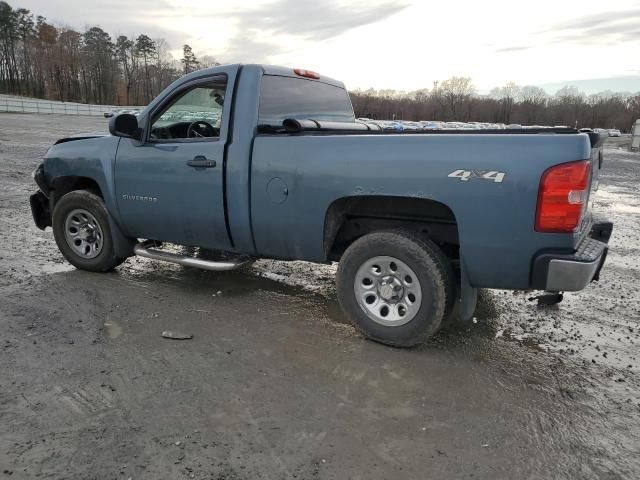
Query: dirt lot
{"points": [[275, 385]]}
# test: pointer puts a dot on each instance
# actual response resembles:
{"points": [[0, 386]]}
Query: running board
{"points": [[144, 250]]}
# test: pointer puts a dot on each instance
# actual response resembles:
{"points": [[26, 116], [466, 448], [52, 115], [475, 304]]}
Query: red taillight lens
{"points": [[306, 73], [562, 197]]}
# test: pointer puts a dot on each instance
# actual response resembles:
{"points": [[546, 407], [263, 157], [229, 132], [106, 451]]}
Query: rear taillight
{"points": [[562, 197]]}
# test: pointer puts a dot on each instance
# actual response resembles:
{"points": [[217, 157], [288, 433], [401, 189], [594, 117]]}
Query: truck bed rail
{"points": [[295, 126]]}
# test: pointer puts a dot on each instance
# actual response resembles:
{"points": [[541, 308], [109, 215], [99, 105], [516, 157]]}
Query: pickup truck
{"points": [[259, 161]]}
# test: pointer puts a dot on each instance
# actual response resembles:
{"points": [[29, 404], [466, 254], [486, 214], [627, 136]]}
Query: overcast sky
{"points": [[401, 44]]}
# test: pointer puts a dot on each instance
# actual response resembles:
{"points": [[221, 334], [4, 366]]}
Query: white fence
{"points": [[10, 103], [635, 136]]}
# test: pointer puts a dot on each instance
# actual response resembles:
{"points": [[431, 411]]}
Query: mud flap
{"points": [[468, 297], [122, 245]]}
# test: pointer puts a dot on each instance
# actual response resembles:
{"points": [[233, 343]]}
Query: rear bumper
{"points": [[569, 272]]}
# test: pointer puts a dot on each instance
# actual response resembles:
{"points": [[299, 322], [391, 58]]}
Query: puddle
{"points": [[614, 196], [146, 273], [617, 207], [334, 311], [112, 329]]}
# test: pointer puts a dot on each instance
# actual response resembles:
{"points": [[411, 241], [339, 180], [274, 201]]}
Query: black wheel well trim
{"points": [[60, 186], [399, 209]]}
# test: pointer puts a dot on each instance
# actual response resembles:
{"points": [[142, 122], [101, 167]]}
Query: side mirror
{"points": [[124, 125]]}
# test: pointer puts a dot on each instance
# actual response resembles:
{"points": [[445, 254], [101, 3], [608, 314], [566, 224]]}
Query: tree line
{"points": [[455, 99], [39, 59]]}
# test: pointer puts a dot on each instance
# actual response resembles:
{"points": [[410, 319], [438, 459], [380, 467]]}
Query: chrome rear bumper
{"points": [[570, 272]]}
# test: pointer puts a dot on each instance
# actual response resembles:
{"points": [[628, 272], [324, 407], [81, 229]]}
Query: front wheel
{"points": [[395, 286], [82, 232]]}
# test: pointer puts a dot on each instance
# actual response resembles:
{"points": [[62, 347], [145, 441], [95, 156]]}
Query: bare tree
{"points": [[506, 97], [126, 56], [532, 103], [455, 93], [164, 71], [207, 61]]}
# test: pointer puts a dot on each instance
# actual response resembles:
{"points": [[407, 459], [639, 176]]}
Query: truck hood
{"points": [[81, 136]]}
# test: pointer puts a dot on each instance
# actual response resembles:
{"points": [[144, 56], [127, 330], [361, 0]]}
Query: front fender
{"points": [[93, 159]]}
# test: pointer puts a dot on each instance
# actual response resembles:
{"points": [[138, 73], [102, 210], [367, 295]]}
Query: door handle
{"points": [[200, 161]]}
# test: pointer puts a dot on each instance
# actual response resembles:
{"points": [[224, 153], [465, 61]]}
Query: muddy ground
{"points": [[275, 385]]}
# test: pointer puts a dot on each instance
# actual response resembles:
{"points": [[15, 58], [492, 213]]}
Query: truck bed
{"points": [[495, 218]]}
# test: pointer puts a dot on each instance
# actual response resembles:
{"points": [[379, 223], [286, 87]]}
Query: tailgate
{"points": [[597, 141]]}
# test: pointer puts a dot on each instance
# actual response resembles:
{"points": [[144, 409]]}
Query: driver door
{"points": [[169, 187]]}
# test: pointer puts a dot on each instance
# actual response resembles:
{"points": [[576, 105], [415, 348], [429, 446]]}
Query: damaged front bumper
{"points": [[40, 208], [570, 272]]}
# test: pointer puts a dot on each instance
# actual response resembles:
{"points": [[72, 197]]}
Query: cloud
{"points": [[80, 14], [513, 49], [318, 20], [603, 28], [281, 26], [608, 28], [247, 47], [598, 19], [255, 32]]}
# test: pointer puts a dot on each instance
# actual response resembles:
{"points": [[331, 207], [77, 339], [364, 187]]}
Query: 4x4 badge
{"points": [[466, 175]]}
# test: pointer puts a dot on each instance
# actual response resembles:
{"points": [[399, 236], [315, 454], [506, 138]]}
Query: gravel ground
{"points": [[274, 383]]}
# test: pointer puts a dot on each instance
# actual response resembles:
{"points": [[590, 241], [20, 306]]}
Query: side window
{"points": [[194, 113]]}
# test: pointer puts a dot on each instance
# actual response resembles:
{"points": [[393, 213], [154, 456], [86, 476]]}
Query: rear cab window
{"points": [[303, 99]]}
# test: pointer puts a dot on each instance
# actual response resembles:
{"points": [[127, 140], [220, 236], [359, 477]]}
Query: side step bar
{"points": [[144, 250]]}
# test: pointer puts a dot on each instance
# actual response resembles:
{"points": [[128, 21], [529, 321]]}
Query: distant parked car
{"points": [[118, 111], [429, 125], [397, 126], [614, 132], [407, 125]]}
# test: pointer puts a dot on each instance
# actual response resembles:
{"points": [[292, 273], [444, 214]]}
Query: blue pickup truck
{"points": [[268, 162]]}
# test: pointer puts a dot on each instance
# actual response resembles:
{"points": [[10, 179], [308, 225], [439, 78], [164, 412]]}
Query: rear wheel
{"points": [[82, 232], [396, 287]]}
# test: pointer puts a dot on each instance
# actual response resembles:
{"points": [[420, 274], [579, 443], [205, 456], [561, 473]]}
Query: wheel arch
{"points": [[60, 186], [349, 218]]}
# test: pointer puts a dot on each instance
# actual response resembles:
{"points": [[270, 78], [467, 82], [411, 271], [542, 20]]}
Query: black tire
{"points": [[83, 199], [431, 267]]}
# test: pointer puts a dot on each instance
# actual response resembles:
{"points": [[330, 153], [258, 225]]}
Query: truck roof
{"points": [[268, 70], [289, 72]]}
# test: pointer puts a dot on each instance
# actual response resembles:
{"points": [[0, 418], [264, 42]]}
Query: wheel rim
{"points": [[388, 291], [83, 233]]}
